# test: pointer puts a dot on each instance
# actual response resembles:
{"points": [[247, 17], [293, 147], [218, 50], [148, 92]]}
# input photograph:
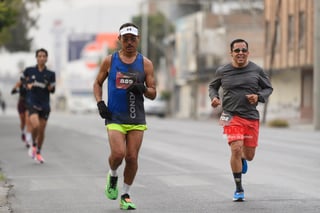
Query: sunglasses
{"points": [[244, 50], [132, 39]]}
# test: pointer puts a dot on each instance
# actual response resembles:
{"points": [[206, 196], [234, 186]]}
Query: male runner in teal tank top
{"points": [[130, 79]]}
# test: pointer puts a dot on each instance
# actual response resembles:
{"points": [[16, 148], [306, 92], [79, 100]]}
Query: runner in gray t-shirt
{"points": [[244, 84]]}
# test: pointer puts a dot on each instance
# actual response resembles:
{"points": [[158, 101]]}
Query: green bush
{"points": [[165, 95], [278, 123], [2, 178]]}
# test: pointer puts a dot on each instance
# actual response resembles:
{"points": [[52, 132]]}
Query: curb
{"points": [[4, 193]]}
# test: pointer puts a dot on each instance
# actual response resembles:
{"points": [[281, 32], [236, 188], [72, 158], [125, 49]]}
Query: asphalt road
{"points": [[183, 168]]}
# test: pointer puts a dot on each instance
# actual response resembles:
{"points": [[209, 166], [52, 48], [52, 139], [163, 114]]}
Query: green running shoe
{"points": [[126, 203], [111, 189]]}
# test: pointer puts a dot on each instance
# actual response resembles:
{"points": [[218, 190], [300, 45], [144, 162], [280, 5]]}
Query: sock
{"points": [[28, 137], [113, 173], [125, 189], [237, 180], [23, 135]]}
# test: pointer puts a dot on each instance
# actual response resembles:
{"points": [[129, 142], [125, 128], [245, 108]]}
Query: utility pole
{"points": [[194, 88], [316, 66], [272, 55], [57, 31], [144, 34]]}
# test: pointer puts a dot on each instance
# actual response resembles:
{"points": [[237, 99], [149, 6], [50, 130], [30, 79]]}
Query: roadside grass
{"points": [[2, 177], [282, 123]]}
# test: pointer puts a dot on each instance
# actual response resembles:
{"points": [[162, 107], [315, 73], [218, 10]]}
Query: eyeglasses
{"points": [[244, 50], [132, 39]]}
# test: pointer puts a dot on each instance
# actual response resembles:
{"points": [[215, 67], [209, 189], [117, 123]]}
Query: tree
{"points": [[15, 23], [7, 14], [158, 28]]}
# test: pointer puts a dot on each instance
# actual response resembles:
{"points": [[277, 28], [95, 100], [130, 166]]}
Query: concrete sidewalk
{"points": [[4, 186], [4, 192]]}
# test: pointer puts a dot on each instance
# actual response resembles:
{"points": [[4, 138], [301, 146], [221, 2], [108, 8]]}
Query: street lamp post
{"points": [[144, 32], [316, 67]]}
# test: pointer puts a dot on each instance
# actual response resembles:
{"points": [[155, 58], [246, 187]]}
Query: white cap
{"points": [[129, 30]]}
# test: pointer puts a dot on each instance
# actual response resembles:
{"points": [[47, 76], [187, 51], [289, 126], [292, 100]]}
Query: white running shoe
{"points": [[32, 152]]}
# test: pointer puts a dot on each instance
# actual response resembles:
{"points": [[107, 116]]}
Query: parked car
{"points": [[156, 107], [81, 101]]}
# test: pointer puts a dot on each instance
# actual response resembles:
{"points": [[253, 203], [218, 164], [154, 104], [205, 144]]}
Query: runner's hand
{"points": [[14, 91], [46, 82], [103, 110], [137, 88], [252, 98], [215, 102]]}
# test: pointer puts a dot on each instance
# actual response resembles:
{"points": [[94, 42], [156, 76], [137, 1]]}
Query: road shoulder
{"points": [[4, 192]]}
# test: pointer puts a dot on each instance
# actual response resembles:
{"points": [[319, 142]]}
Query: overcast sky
{"points": [[82, 16]]}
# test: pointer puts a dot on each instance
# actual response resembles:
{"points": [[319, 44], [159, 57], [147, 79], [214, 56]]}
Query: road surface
{"points": [[183, 168]]}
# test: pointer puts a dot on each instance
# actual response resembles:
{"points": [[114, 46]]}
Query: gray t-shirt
{"points": [[236, 84]]}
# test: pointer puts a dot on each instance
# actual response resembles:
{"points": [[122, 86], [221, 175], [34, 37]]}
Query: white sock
{"points": [[113, 173], [125, 188], [29, 138]]}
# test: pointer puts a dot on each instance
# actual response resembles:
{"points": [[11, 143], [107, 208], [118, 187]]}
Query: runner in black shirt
{"points": [[21, 88], [244, 84], [40, 83]]}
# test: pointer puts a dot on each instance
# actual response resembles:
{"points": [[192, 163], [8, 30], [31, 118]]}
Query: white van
{"points": [[81, 101]]}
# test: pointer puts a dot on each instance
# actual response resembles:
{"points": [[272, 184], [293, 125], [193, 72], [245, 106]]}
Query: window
{"points": [[266, 37], [302, 28], [278, 34], [290, 32]]}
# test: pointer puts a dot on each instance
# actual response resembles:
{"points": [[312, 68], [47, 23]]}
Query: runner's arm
{"points": [[101, 77], [151, 91]]}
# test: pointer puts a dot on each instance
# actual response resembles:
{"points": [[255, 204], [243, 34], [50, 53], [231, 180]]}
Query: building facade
{"points": [[202, 44], [288, 57]]}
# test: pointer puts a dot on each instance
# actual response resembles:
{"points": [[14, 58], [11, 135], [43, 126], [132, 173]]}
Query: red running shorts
{"points": [[243, 129]]}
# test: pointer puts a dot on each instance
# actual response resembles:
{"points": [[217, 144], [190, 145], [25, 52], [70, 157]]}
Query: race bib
{"points": [[225, 119], [125, 80]]}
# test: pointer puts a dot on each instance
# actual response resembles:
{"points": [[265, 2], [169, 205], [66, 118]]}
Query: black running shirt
{"points": [[236, 84], [39, 94]]}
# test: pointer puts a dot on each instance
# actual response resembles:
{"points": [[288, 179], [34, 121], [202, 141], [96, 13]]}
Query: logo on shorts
{"points": [[236, 132]]}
